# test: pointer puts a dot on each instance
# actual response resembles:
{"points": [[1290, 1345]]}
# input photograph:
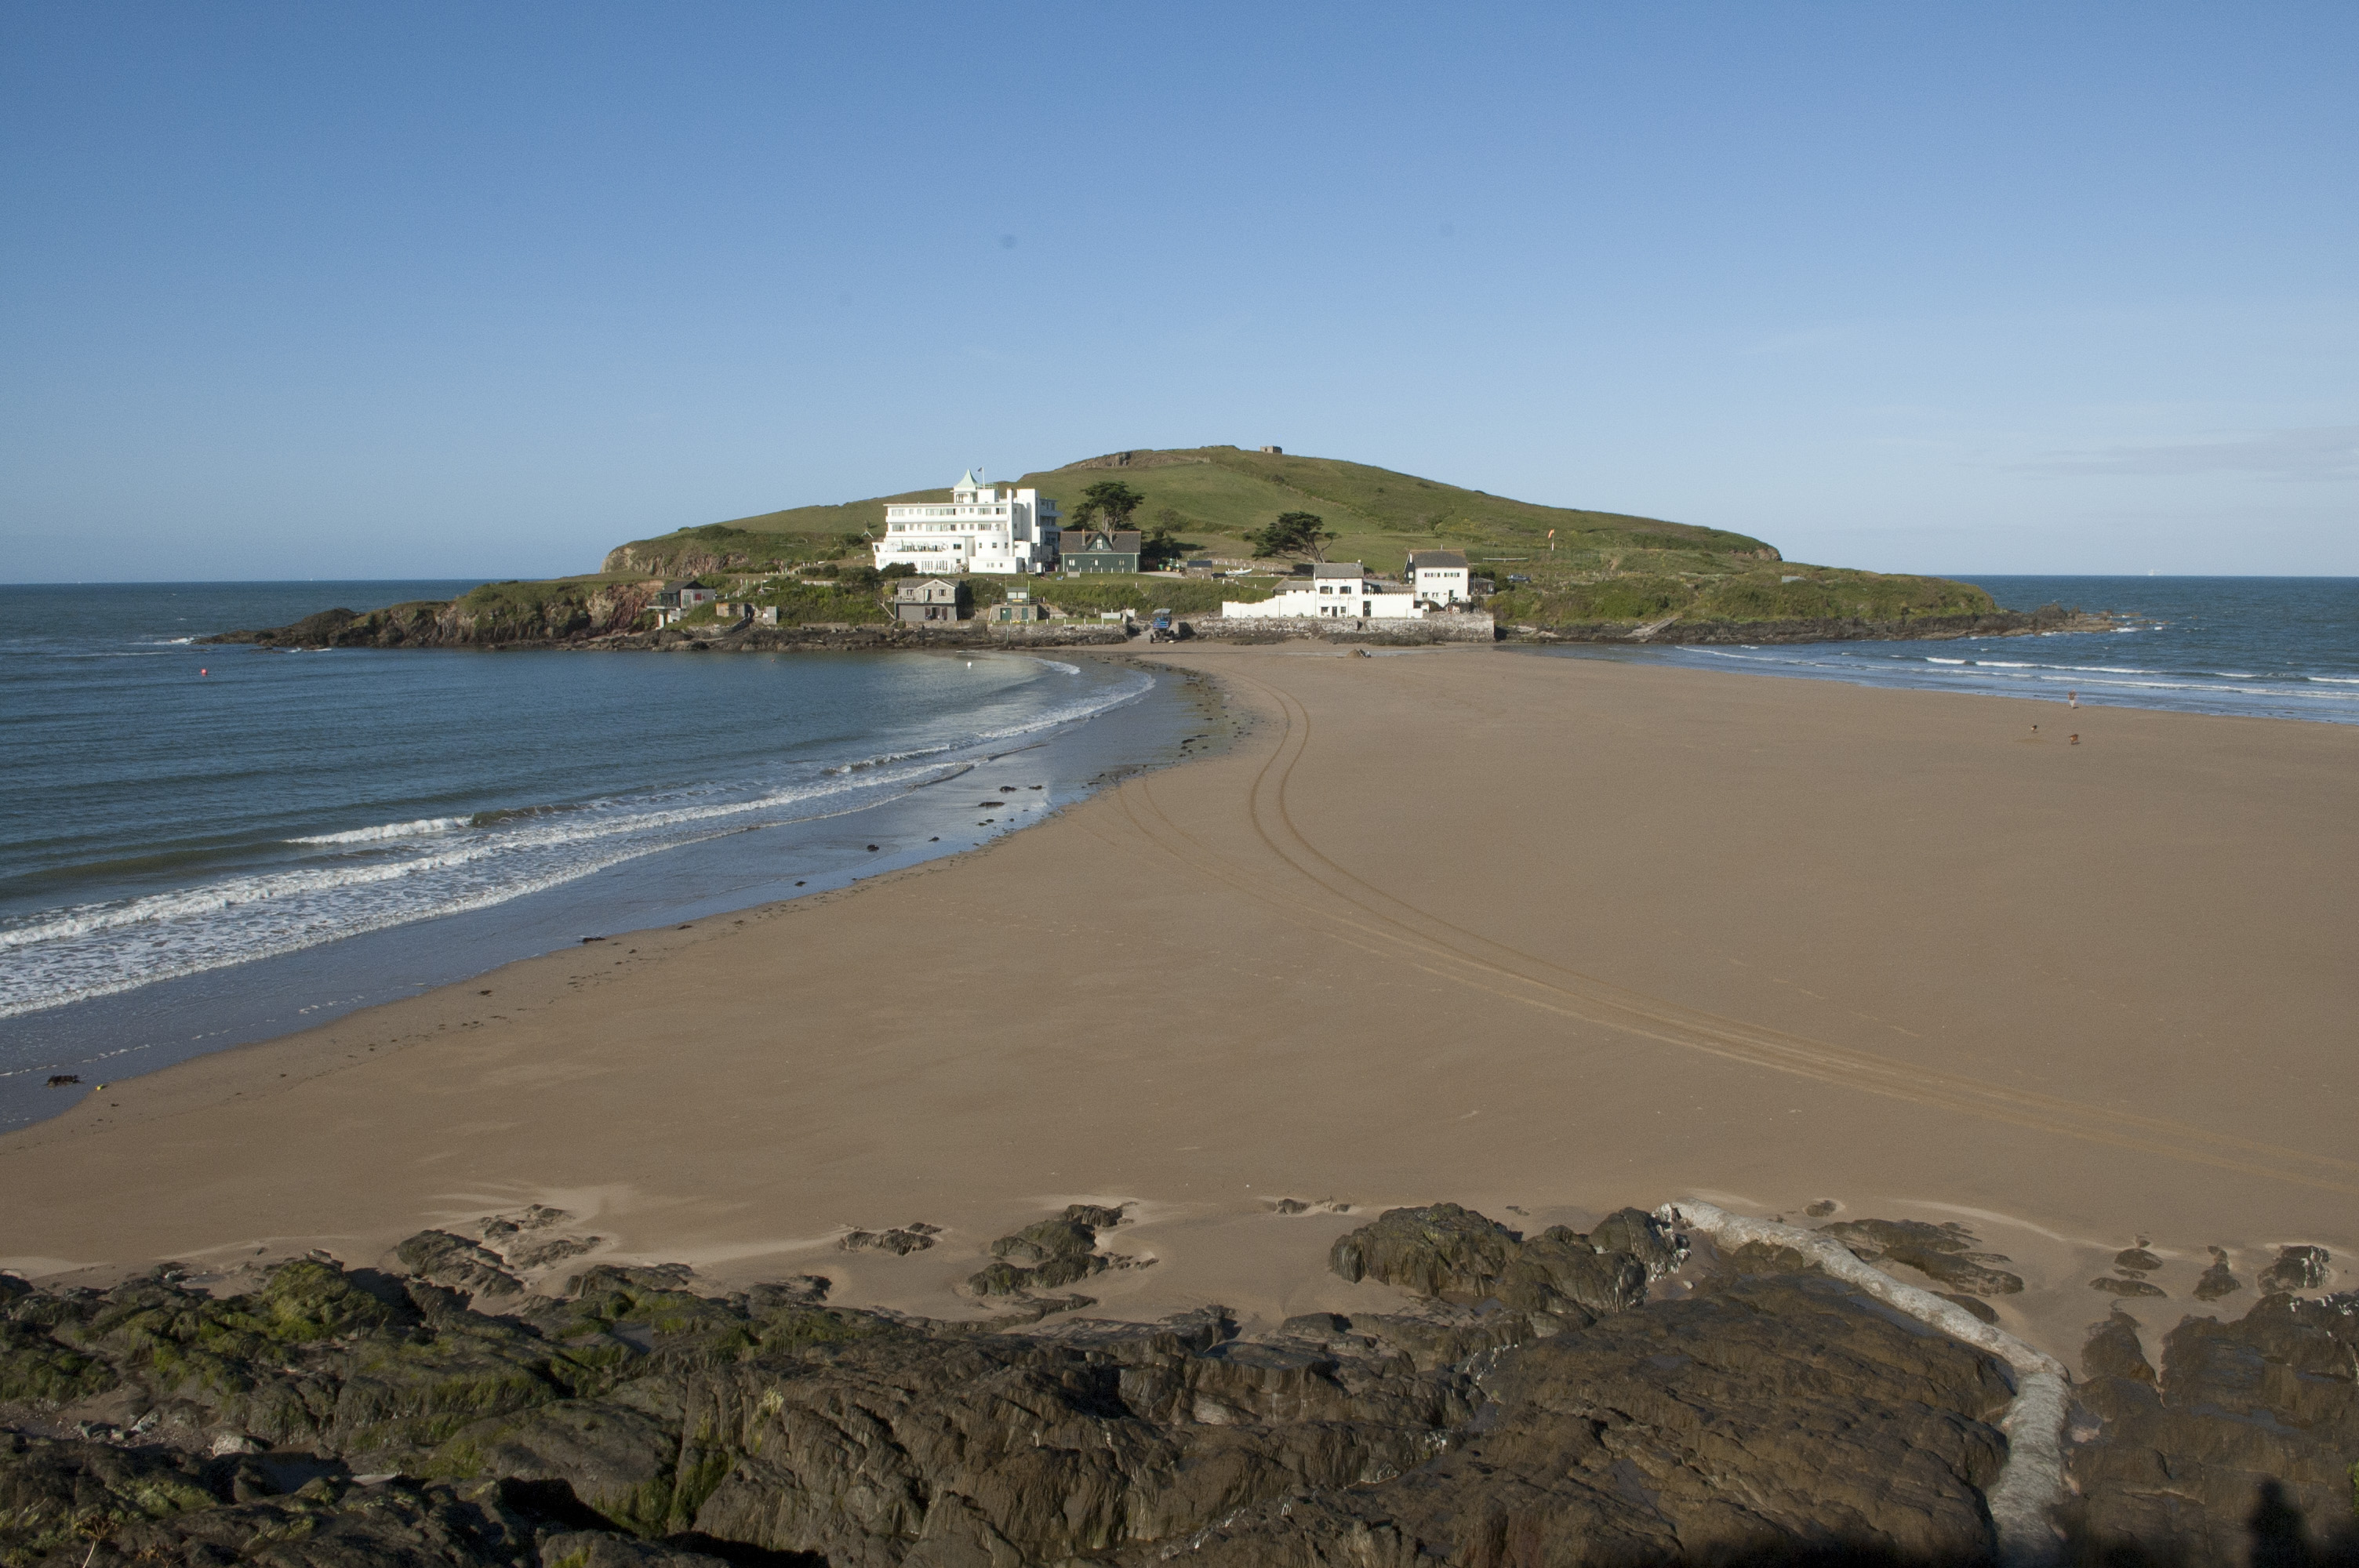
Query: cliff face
{"points": [[732, 547], [508, 612], [685, 560]]}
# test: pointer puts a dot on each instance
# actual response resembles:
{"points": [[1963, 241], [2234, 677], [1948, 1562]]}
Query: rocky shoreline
{"points": [[1637, 1394], [384, 629], [432, 626]]}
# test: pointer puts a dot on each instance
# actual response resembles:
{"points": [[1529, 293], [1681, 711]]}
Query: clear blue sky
{"points": [[317, 290]]}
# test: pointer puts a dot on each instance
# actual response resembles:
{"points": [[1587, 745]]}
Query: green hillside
{"points": [[1601, 566], [1216, 495]]}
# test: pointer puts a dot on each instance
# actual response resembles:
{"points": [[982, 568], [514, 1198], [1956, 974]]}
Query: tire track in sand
{"points": [[1312, 890]]}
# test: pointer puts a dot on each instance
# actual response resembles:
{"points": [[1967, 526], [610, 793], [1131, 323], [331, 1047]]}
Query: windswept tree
{"points": [[1163, 544], [1106, 505], [1294, 533]]}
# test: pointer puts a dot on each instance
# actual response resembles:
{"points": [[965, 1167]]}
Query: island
{"points": [[1181, 533]]}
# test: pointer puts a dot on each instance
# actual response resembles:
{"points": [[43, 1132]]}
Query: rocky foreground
{"points": [[1628, 1396]]}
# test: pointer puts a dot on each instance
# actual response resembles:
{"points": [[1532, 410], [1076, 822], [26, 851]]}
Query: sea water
{"points": [[2259, 647], [205, 844]]}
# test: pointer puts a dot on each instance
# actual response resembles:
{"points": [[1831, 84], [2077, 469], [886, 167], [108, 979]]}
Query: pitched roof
{"points": [[1435, 559]]}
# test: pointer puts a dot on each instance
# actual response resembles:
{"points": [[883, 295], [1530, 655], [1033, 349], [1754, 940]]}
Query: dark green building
{"points": [[1098, 550]]}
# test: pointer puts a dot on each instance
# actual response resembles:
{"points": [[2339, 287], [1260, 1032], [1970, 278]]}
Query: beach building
{"points": [[927, 600], [1018, 609], [675, 599], [1098, 550], [981, 528], [1333, 591], [1439, 577]]}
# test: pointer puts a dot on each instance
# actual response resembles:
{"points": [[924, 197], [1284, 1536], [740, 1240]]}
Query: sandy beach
{"points": [[1542, 935]]}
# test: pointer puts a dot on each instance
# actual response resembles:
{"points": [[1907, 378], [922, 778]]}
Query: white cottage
{"points": [[981, 528], [1337, 590], [1437, 576]]}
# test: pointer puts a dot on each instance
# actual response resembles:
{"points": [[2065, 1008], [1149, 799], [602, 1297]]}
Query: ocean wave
{"points": [[417, 829], [519, 813], [884, 759], [79, 977], [1133, 687], [350, 881], [343, 872], [72, 955], [1130, 689], [2188, 689]]}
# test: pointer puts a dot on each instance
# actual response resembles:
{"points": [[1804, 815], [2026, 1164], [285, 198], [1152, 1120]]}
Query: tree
{"points": [[1294, 533], [1106, 505], [1163, 544]]}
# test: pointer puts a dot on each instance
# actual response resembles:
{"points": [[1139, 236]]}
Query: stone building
{"points": [[1016, 609], [926, 600]]}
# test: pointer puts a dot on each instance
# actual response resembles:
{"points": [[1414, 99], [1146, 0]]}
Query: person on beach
{"points": [[2072, 698]]}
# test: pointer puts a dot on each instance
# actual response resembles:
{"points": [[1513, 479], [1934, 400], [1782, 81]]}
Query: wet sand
{"points": [[1542, 935]]}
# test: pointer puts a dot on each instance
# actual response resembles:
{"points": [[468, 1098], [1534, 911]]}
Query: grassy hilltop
{"points": [[1605, 568], [1607, 573]]}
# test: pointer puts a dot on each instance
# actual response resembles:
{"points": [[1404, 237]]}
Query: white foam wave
{"points": [[2297, 692], [428, 867], [70, 981], [235, 893], [417, 829], [1132, 687]]}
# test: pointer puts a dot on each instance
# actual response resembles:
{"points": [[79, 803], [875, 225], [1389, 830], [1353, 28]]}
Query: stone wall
{"points": [[1455, 626]]}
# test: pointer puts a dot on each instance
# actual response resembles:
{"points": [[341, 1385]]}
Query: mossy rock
{"points": [[1440, 1250]]}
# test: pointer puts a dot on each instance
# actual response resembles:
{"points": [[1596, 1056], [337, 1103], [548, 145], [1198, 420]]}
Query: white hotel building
{"points": [[981, 528]]}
